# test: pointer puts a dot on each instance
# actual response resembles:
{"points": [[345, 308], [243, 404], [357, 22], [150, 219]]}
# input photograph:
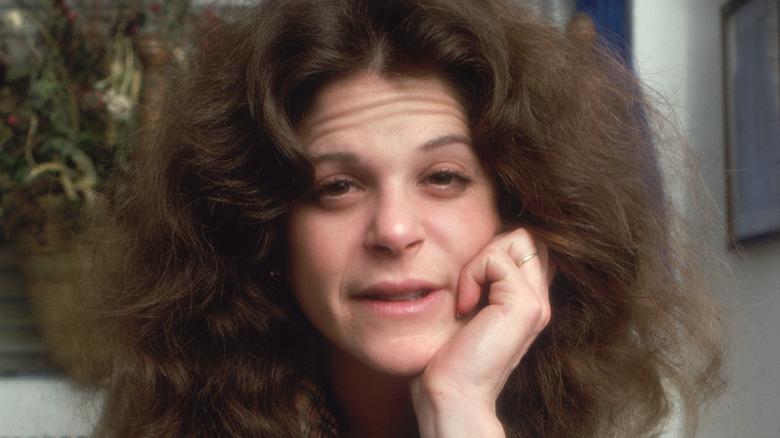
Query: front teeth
{"points": [[411, 296]]}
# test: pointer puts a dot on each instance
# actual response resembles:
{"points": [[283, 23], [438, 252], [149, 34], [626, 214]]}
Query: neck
{"points": [[371, 404]]}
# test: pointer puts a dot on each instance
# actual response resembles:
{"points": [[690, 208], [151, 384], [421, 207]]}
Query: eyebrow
{"points": [[443, 141], [425, 147]]}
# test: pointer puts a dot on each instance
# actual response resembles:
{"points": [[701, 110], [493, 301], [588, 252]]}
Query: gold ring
{"points": [[526, 258]]}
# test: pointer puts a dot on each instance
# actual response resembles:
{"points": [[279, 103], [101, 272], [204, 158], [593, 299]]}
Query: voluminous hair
{"points": [[209, 339]]}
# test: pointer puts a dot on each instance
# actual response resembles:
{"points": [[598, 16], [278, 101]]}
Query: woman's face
{"points": [[400, 204]]}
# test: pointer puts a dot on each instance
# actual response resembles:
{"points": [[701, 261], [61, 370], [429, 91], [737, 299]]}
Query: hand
{"points": [[457, 392]]}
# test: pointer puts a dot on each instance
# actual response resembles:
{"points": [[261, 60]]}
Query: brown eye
{"points": [[337, 191], [441, 178], [445, 182], [336, 188]]}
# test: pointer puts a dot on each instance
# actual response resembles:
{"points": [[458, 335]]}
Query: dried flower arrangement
{"points": [[69, 84]]}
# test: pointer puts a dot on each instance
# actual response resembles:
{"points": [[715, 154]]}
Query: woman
{"points": [[402, 218]]}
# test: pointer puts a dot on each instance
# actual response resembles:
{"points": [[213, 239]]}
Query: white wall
{"points": [[678, 52], [45, 407]]}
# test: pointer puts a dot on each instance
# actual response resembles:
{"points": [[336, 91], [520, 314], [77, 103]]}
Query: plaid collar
{"points": [[317, 421]]}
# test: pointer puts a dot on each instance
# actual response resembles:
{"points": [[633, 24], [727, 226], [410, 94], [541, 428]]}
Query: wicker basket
{"points": [[55, 263]]}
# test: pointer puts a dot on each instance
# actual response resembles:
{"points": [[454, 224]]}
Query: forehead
{"points": [[365, 98]]}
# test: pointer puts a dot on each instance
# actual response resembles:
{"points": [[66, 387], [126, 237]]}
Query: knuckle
{"points": [[520, 234]]}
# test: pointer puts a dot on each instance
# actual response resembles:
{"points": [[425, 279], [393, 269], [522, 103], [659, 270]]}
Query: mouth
{"points": [[401, 298], [414, 295]]}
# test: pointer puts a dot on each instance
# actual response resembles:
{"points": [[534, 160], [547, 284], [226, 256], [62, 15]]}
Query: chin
{"points": [[402, 366], [398, 348], [406, 356]]}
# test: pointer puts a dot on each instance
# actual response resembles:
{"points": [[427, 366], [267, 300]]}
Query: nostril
{"points": [[391, 248], [414, 244], [382, 249]]}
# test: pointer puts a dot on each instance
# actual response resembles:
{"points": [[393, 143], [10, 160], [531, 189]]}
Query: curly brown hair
{"points": [[210, 342]]}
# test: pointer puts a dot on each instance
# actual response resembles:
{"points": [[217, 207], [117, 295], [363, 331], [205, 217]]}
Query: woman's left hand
{"points": [[456, 394]]}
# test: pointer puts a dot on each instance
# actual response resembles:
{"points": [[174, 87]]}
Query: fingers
{"points": [[507, 282], [511, 276], [513, 263], [526, 258]]}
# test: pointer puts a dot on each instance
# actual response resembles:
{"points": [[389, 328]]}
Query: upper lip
{"points": [[398, 287]]}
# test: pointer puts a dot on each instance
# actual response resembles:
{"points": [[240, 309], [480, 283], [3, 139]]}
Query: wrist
{"points": [[446, 415], [461, 424]]}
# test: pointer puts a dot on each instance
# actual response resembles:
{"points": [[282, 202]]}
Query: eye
{"points": [[441, 178], [445, 181], [335, 190]]}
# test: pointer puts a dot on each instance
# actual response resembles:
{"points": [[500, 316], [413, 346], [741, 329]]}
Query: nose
{"points": [[396, 226]]}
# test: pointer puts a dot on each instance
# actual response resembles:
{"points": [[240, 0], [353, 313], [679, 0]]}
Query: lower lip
{"points": [[402, 309]]}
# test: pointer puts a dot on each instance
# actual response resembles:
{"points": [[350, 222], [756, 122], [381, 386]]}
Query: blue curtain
{"points": [[611, 21]]}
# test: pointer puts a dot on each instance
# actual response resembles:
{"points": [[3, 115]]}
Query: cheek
{"points": [[316, 249], [466, 229], [479, 231], [300, 253], [479, 215], [483, 224]]}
